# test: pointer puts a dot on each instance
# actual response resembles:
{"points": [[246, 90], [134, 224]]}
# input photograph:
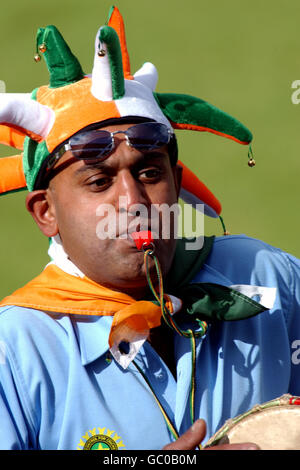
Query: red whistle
{"points": [[143, 239]]}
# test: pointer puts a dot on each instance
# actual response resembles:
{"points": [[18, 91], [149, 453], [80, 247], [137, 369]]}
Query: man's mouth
{"points": [[143, 226], [143, 240]]}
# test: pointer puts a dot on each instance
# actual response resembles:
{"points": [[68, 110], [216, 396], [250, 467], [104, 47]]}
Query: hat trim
{"points": [[193, 127]]}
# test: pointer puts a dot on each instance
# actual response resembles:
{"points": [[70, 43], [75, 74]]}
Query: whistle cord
{"points": [[192, 335], [168, 421], [160, 298]]}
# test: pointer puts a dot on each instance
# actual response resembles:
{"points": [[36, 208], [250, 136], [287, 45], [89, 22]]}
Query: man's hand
{"points": [[193, 437]]}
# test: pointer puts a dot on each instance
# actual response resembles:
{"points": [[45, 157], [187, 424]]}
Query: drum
{"points": [[274, 425]]}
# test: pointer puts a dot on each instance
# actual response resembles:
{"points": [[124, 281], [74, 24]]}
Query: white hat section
{"points": [[147, 75], [101, 74], [139, 99], [20, 110]]}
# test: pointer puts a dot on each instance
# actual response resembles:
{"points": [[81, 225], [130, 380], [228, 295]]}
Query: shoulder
{"points": [[21, 319], [245, 256], [242, 245], [242, 260]]}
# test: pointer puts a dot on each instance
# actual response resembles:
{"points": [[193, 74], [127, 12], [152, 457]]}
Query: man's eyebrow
{"points": [[152, 154], [105, 164], [91, 166]]}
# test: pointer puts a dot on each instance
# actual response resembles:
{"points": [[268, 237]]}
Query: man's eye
{"points": [[99, 183], [151, 174]]}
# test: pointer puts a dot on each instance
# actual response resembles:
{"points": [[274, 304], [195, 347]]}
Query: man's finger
{"points": [[191, 438]]}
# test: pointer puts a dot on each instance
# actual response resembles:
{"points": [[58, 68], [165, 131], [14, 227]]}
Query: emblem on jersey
{"points": [[100, 439]]}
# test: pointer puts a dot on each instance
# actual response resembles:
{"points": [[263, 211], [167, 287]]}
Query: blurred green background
{"points": [[240, 55]]}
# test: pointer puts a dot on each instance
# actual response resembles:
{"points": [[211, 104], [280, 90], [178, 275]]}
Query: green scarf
{"points": [[205, 301]]}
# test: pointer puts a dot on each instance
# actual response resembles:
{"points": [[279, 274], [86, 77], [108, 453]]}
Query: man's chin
{"points": [[128, 264]]}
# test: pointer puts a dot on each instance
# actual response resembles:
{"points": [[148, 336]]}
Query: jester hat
{"points": [[38, 122]]}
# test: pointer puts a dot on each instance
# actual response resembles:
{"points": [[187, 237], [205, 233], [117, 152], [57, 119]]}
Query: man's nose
{"points": [[131, 193]]}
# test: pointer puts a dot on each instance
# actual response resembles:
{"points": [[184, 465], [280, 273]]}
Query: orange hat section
{"points": [[14, 135], [65, 101], [116, 22], [12, 174], [193, 127], [10, 135], [191, 183]]}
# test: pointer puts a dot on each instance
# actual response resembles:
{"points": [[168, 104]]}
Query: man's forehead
{"points": [[115, 127], [120, 123]]}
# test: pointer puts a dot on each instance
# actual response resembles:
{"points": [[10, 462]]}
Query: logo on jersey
{"points": [[100, 439]]}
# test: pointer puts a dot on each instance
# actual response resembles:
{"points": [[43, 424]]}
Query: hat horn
{"points": [[107, 75], [115, 20], [63, 66], [12, 174], [19, 111], [189, 112]]}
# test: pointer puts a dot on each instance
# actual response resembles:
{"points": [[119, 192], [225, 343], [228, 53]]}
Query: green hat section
{"points": [[191, 111], [34, 155], [109, 36], [64, 69], [63, 66]]}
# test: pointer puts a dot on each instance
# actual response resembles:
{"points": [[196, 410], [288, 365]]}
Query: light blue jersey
{"points": [[61, 389]]}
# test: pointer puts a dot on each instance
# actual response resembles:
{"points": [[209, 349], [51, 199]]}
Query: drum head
{"points": [[271, 428]]}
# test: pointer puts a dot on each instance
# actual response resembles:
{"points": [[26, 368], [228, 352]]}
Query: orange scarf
{"points": [[56, 291]]}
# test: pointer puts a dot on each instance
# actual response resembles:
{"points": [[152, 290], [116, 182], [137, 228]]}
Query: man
{"points": [[96, 356]]}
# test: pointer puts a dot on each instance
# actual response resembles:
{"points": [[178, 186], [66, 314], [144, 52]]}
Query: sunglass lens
{"points": [[148, 136], [91, 145]]}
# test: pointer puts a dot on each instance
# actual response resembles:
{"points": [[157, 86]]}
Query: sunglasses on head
{"points": [[97, 145]]}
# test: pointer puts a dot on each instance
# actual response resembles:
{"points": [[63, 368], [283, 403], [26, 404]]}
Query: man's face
{"points": [[128, 177]]}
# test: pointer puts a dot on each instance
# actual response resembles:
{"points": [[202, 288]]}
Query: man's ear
{"points": [[177, 173], [39, 204]]}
